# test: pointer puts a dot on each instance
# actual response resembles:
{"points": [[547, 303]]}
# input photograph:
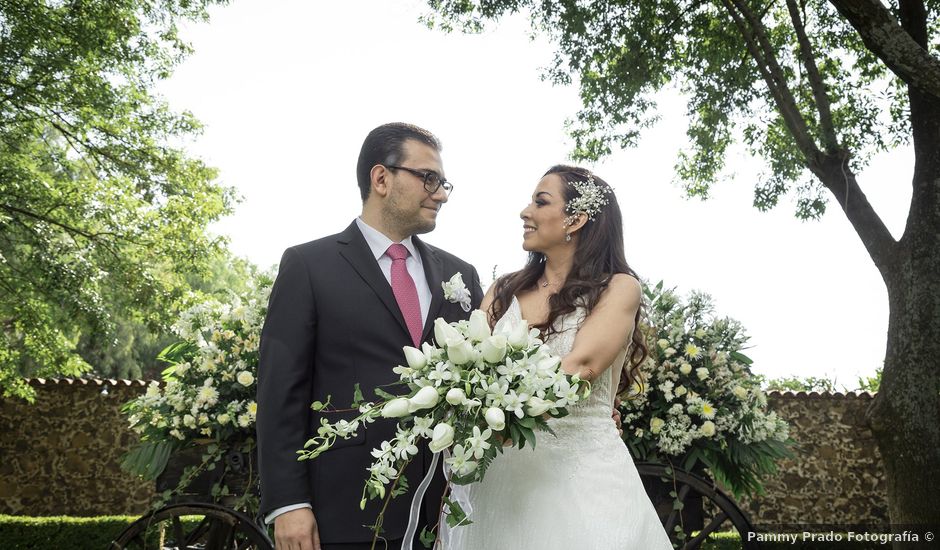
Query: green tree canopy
{"points": [[102, 214]]}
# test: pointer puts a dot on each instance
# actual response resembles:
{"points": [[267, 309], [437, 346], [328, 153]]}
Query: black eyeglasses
{"points": [[432, 180]]}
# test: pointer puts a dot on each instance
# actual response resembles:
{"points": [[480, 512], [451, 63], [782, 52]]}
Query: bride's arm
{"points": [[606, 330]]}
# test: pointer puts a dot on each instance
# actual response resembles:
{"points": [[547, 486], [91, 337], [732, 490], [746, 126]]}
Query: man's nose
{"points": [[439, 195]]}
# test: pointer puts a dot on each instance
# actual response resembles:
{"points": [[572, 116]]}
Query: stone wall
{"points": [[61, 455], [836, 477]]}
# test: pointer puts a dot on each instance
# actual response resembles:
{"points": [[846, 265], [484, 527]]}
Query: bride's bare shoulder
{"points": [[623, 290]]}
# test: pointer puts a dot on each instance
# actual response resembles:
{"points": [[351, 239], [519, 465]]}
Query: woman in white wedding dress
{"points": [[579, 490]]}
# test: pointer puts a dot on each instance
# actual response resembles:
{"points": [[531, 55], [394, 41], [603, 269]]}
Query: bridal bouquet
{"points": [[698, 404], [469, 395]]}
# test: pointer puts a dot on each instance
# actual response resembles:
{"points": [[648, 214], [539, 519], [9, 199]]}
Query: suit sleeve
{"points": [[285, 380]]}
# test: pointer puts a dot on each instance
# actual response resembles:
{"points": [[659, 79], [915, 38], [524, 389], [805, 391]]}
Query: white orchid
{"points": [[456, 292]]}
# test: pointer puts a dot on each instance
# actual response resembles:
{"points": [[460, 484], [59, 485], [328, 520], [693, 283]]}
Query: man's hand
{"points": [[296, 530], [616, 416]]}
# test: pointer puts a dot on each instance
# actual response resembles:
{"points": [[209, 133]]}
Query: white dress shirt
{"points": [[378, 244]]}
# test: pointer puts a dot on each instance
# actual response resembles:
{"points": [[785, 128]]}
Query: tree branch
{"points": [[831, 169], [762, 52], [838, 177], [887, 39], [68, 228], [816, 83]]}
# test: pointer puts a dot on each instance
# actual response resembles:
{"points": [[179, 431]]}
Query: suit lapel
{"points": [[434, 272], [357, 252]]}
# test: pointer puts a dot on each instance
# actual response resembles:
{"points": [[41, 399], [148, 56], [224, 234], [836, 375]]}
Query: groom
{"points": [[340, 312]]}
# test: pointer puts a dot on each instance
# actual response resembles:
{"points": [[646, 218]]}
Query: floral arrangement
{"points": [[471, 394], [697, 405], [207, 398]]}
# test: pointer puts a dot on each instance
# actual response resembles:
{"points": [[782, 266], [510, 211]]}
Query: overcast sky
{"points": [[287, 91]]}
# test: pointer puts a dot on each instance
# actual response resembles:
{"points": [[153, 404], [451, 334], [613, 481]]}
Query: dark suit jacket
{"points": [[333, 321]]}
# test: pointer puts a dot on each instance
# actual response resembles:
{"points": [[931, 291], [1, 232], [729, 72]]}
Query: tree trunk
{"points": [[905, 415]]}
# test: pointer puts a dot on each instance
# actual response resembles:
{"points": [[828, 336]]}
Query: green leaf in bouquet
{"points": [[488, 456], [541, 424], [383, 394], [357, 396], [528, 422], [318, 406], [401, 487], [455, 514], [427, 538], [740, 357], [516, 435], [148, 459], [529, 436]]}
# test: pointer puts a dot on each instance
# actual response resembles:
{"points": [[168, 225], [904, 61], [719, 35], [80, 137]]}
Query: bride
{"points": [[579, 489]]}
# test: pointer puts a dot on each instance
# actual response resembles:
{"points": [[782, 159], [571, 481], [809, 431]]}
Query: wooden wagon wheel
{"points": [[722, 514], [193, 526]]}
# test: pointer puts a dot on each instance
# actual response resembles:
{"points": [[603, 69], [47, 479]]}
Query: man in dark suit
{"points": [[340, 312]]}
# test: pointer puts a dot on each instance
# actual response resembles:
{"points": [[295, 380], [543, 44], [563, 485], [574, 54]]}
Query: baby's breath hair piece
{"points": [[591, 198]]}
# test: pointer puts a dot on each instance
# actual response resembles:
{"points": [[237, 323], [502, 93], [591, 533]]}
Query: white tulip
{"points": [[739, 392], [685, 368], [519, 336], [441, 438], [460, 352], [494, 348], [396, 408], [495, 418], [426, 398], [456, 396], [415, 357], [479, 326], [536, 406], [444, 332]]}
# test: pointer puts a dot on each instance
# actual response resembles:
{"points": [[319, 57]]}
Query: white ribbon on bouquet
{"points": [[458, 493]]}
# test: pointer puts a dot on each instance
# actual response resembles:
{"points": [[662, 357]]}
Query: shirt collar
{"points": [[379, 243]]}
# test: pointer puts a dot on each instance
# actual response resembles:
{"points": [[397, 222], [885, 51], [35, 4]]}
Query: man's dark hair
{"points": [[385, 145]]}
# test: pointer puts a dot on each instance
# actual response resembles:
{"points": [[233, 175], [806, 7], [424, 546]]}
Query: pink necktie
{"points": [[403, 286]]}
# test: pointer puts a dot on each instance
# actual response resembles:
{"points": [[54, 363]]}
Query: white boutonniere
{"points": [[456, 292]]}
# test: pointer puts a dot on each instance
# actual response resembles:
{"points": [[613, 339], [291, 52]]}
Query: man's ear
{"points": [[379, 176]]}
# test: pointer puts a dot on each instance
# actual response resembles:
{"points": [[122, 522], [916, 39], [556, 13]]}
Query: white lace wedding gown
{"points": [[579, 491]]}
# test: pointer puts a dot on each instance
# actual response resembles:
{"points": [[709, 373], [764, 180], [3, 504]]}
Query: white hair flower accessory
{"points": [[591, 198]]}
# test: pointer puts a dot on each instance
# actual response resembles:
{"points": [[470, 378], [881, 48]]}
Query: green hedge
{"points": [[60, 532]]}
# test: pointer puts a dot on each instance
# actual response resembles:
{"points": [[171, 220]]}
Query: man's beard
{"points": [[407, 224]]}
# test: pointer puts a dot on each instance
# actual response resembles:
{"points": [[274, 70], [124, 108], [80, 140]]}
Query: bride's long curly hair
{"points": [[598, 257]]}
